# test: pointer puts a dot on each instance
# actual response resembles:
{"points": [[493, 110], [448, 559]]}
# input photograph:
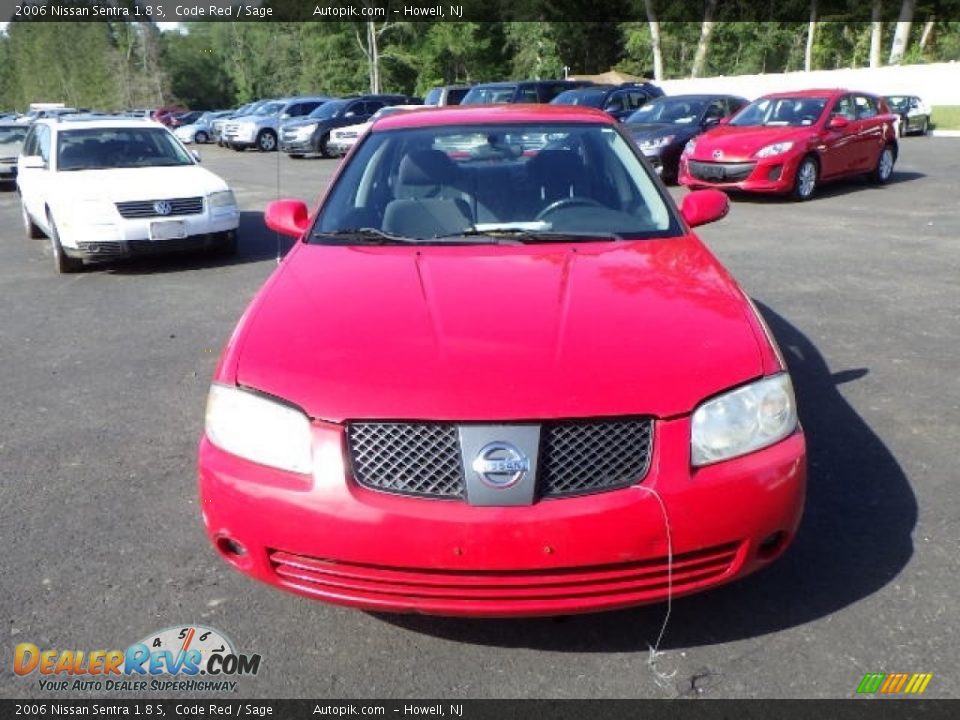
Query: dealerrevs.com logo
{"points": [[185, 657]]}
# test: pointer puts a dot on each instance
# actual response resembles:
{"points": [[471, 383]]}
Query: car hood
{"points": [[649, 131], [124, 184], [497, 333], [741, 143]]}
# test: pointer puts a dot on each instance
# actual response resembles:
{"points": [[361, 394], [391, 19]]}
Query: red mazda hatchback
{"points": [[791, 142], [499, 375]]}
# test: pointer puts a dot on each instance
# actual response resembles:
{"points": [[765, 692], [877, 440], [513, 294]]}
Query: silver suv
{"points": [[260, 129]]}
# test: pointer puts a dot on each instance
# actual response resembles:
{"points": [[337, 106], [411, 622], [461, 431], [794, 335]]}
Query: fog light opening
{"points": [[230, 548], [771, 545]]}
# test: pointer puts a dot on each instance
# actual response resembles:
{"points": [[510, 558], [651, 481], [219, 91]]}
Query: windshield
{"points": [[494, 184], [272, 108], [781, 111], [11, 136], [590, 98], [673, 111], [898, 102], [328, 110], [488, 95], [101, 148], [433, 97]]}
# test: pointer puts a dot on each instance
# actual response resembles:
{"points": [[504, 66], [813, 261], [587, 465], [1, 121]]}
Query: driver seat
{"points": [[555, 174]]}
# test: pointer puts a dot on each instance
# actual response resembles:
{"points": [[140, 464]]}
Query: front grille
{"points": [[585, 456], [720, 172], [145, 208], [408, 458], [576, 456]]}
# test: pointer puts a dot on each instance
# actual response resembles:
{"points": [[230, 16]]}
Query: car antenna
{"points": [[279, 255]]}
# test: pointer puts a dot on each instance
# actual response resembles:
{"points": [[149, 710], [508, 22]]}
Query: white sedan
{"points": [[342, 139], [107, 188]]}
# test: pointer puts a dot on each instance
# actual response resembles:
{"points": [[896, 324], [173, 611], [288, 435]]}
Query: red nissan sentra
{"points": [[792, 142], [499, 375]]}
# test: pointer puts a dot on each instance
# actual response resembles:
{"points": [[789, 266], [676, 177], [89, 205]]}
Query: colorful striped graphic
{"points": [[894, 683]]}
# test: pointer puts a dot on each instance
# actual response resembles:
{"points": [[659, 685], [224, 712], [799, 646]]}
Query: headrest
{"points": [[555, 164], [427, 167]]}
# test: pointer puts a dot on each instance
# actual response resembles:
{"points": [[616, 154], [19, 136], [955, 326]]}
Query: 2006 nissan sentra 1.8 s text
{"points": [[499, 375]]}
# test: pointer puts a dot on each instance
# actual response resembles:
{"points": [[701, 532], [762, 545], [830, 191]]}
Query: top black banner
{"points": [[474, 10]]}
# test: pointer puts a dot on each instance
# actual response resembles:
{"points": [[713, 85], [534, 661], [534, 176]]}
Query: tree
{"points": [[706, 29], [811, 33], [876, 33], [902, 35], [655, 40]]}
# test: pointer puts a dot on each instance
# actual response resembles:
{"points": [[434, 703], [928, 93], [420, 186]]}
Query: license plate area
{"points": [[712, 172], [168, 230]]}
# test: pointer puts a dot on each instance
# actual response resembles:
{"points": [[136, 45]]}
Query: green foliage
{"points": [[111, 65]]}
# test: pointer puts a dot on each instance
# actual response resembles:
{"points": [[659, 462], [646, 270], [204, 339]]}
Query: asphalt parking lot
{"points": [[104, 380]]}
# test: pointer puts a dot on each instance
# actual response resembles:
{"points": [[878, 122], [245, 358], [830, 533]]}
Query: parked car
{"points": [[792, 142], [446, 95], [103, 188], [618, 101], [11, 140], [311, 134], [663, 126], [201, 130], [612, 425], [184, 118], [526, 91], [342, 139], [913, 114], [216, 127], [165, 113], [262, 128]]}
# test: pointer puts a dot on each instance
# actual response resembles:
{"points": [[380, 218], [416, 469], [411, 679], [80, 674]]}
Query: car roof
{"points": [[97, 122], [815, 92], [503, 114]]}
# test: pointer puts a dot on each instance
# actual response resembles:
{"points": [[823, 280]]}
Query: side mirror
{"points": [[287, 217], [32, 162], [704, 206], [711, 121], [838, 122]]}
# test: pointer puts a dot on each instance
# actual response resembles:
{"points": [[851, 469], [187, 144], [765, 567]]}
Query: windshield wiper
{"points": [[363, 236], [527, 236]]}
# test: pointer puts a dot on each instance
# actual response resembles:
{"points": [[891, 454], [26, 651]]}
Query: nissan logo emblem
{"points": [[500, 465], [162, 207]]}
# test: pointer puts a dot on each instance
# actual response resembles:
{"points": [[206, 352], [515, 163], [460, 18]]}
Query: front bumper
{"points": [[326, 537], [105, 251], [296, 145], [117, 235], [766, 175]]}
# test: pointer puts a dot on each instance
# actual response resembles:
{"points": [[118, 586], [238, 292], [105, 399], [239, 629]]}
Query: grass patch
{"points": [[946, 117]]}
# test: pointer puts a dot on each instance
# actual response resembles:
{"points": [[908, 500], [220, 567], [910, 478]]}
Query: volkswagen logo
{"points": [[717, 154], [500, 465], [162, 207]]}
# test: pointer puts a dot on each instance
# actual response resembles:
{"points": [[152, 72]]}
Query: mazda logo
{"points": [[162, 207], [717, 154], [500, 465]]}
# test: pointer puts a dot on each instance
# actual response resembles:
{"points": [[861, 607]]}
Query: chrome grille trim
{"points": [[577, 457], [144, 208]]}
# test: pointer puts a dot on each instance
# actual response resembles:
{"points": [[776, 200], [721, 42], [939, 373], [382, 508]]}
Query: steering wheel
{"points": [[567, 202]]}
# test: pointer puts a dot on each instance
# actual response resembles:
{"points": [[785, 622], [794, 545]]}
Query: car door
{"points": [[870, 135], [32, 180], [837, 146]]}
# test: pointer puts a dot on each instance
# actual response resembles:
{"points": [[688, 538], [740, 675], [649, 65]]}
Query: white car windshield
{"points": [[494, 184], [104, 148]]}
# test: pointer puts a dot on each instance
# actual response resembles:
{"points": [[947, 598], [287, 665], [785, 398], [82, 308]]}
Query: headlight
{"points": [[775, 149], [743, 420], [657, 143], [223, 198], [690, 146], [306, 130], [258, 429]]}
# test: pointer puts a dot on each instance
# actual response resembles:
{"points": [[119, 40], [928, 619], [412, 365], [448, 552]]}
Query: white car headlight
{"points": [[306, 130], [776, 149], [256, 428], [743, 420], [223, 198], [690, 146], [656, 143]]}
